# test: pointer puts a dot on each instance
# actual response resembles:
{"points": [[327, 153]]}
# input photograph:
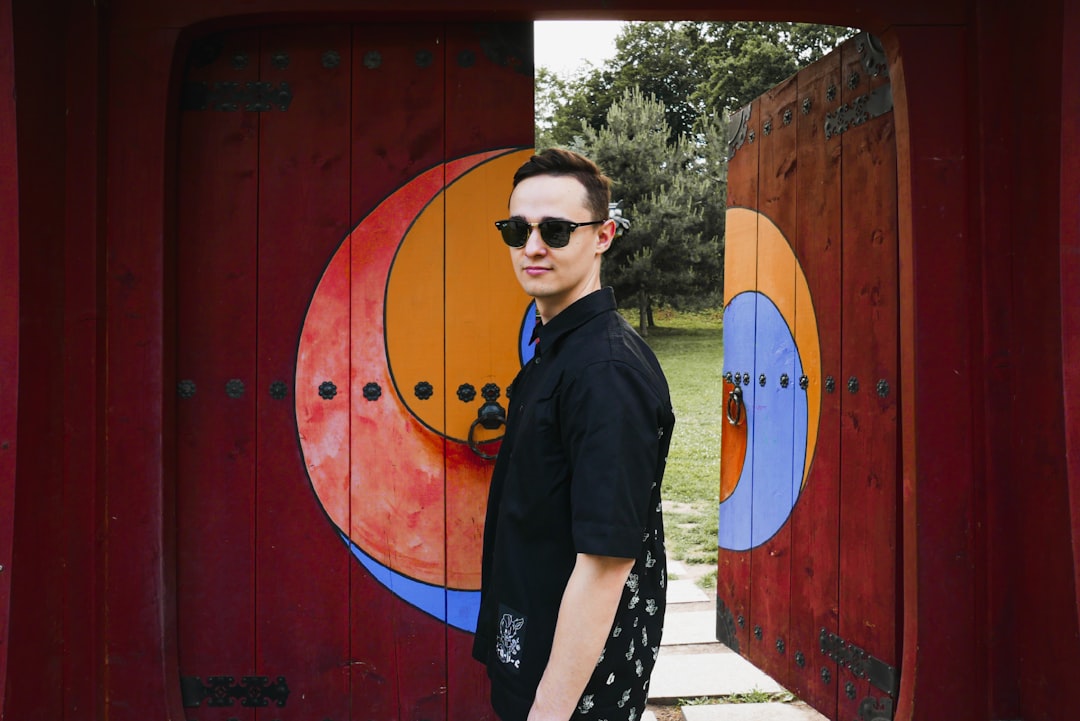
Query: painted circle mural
{"points": [[770, 346], [415, 317]]}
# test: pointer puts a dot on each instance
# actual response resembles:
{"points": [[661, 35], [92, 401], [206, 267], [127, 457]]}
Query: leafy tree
{"points": [[669, 255], [745, 59], [695, 69]]}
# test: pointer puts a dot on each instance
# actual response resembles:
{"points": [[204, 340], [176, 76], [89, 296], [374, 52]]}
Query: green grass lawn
{"points": [[690, 348]]}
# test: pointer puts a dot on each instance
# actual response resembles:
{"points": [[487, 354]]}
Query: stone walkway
{"points": [[693, 665]]}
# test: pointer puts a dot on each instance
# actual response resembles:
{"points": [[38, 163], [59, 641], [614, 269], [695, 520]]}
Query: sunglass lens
{"points": [[515, 233], [555, 233]]}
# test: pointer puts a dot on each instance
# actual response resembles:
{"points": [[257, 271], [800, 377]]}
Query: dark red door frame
{"points": [[946, 225]]}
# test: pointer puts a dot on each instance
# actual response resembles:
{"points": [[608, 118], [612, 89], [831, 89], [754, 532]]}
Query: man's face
{"points": [[556, 277]]}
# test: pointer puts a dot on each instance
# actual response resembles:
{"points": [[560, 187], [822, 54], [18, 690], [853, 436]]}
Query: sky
{"points": [[565, 46]]}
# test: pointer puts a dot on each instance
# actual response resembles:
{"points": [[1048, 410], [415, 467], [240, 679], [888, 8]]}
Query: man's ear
{"points": [[605, 236]]}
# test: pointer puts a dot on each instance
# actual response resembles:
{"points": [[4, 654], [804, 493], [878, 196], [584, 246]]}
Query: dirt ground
{"points": [[665, 712]]}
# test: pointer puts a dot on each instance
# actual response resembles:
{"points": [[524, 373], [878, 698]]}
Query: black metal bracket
{"points": [[725, 626], [222, 691], [231, 96], [861, 664], [862, 109]]}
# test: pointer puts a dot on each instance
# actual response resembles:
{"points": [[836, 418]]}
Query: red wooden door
{"points": [[342, 307], [808, 576]]}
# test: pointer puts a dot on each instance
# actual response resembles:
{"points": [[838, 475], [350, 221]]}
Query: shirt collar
{"points": [[572, 317]]}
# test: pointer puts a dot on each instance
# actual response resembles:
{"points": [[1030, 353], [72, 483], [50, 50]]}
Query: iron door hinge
{"points": [[251, 691]]}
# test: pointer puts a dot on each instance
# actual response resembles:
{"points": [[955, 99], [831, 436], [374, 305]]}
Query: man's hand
{"points": [[585, 616]]}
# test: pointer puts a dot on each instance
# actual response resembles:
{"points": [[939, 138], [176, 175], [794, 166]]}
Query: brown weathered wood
{"points": [[815, 535], [771, 562], [869, 488]]}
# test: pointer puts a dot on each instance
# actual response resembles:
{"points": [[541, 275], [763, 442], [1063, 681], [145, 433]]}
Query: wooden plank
{"points": [[481, 345], [303, 568], [409, 95], [216, 439], [84, 497], [869, 388], [1042, 518], [141, 678], [36, 567], [815, 521], [1070, 280], [740, 269], [774, 407], [937, 318], [9, 323]]}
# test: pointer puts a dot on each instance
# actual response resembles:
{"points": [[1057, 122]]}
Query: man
{"points": [[574, 574]]}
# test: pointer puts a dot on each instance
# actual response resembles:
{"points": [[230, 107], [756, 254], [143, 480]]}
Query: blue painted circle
{"points": [[757, 341], [528, 323]]}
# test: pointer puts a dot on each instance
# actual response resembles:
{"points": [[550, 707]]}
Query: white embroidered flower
{"points": [[630, 653], [650, 606], [633, 715], [644, 636], [632, 582], [615, 633], [625, 698], [633, 600], [610, 679], [638, 668], [586, 704], [508, 642], [649, 560]]}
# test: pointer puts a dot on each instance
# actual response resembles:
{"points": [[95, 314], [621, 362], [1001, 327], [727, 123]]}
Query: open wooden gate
{"points": [[808, 579], [343, 307]]}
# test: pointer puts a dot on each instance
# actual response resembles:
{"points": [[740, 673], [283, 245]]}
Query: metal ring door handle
{"points": [[491, 415], [735, 406]]}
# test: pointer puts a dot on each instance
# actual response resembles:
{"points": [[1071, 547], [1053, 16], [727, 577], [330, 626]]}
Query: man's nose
{"points": [[535, 244]]}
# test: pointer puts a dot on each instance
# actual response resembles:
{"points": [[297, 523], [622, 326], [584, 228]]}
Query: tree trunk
{"points": [[643, 313], [648, 307]]}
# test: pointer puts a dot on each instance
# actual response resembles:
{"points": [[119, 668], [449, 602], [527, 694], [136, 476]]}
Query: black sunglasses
{"points": [[556, 233]]}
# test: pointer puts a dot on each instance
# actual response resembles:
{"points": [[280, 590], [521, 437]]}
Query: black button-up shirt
{"points": [[579, 471]]}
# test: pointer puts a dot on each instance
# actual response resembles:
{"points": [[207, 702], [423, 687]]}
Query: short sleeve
{"points": [[611, 417]]}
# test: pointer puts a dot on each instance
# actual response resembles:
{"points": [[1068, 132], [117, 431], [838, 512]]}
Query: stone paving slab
{"points": [[752, 712], [685, 627], [717, 673], [687, 591]]}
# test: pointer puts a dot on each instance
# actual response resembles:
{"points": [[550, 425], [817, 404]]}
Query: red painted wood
{"points": [[489, 106], [1043, 517], [837, 12], [936, 318], [734, 567], [302, 569], [216, 436], [815, 534], [84, 356], [941, 318], [770, 585], [1070, 276], [409, 103], [998, 615], [869, 491], [37, 600], [9, 324], [141, 672]]}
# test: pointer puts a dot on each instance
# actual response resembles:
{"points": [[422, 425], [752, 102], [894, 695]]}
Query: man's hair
{"points": [[556, 161]]}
